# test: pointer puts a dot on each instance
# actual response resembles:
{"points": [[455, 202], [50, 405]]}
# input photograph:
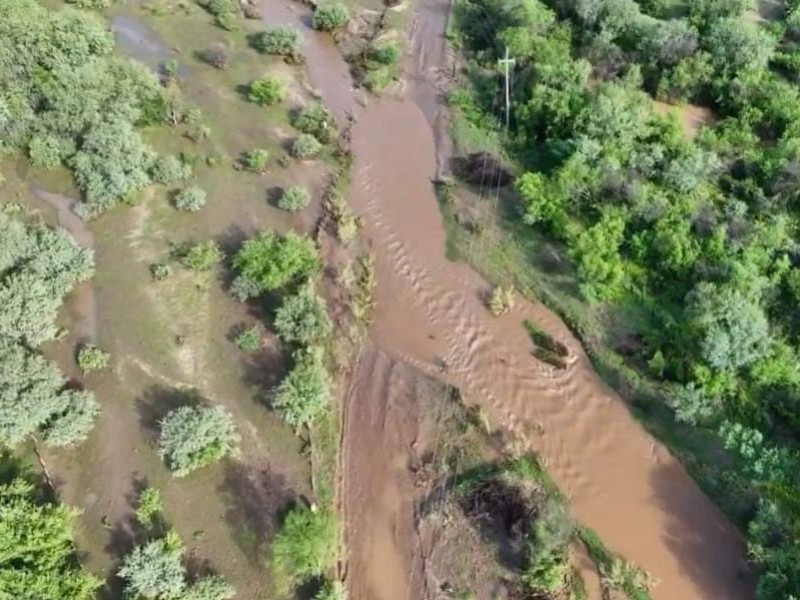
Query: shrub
{"points": [[306, 146], [244, 288], [160, 271], [201, 256], [304, 547], [218, 56], [502, 300], [279, 40], [169, 169], [193, 437], [48, 151], [331, 590], [384, 53], [330, 17], [303, 317], [227, 21], [294, 198], [265, 91], [190, 199], [270, 261], [150, 507], [154, 571], [92, 4], [250, 339], [92, 358], [218, 7], [306, 391], [72, 420], [210, 588], [256, 160], [316, 120]]}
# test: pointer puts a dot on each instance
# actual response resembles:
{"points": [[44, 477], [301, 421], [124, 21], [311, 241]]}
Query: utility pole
{"points": [[506, 62]]}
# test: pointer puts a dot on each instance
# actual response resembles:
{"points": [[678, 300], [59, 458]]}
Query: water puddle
{"points": [[137, 41]]}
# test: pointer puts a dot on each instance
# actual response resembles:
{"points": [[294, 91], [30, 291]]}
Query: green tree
{"points": [[732, 328], [294, 199], [154, 571], [270, 261], [304, 547], [306, 391], [280, 40], [265, 91], [193, 437], [38, 560], [738, 45], [330, 17], [596, 251], [113, 163], [303, 317]]}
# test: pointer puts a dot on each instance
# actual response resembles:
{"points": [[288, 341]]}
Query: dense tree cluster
{"points": [[38, 558], [695, 238], [38, 267], [46, 57]]}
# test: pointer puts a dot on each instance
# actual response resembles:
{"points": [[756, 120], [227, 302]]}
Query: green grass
{"points": [[603, 558]]}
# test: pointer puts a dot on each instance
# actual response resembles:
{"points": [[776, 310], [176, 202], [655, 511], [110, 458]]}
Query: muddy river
{"points": [[621, 482]]}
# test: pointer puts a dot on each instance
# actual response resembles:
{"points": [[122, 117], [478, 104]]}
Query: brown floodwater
{"points": [[620, 481]]}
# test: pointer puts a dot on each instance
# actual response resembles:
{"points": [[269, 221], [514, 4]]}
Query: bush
{"points": [[48, 151], [201, 256], [193, 437], [279, 40], [306, 391], [169, 169], [306, 146], [227, 21], [160, 271], [250, 339], [265, 91], [294, 198], [218, 56], [154, 571], [92, 4], [92, 358], [304, 547], [384, 54], [190, 199], [303, 317], [316, 120], [256, 160], [270, 261], [330, 17], [150, 507]]}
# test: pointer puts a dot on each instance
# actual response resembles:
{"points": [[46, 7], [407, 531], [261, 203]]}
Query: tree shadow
{"points": [[707, 547], [254, 500], [158, 401], [123, 536]]}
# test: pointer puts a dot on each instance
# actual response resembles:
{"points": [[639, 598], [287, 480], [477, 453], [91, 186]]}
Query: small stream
{"points": [[621, 482]]}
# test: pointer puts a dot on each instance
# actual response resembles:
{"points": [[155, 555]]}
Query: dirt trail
{"points": [[621, 482], [383, 427]]}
